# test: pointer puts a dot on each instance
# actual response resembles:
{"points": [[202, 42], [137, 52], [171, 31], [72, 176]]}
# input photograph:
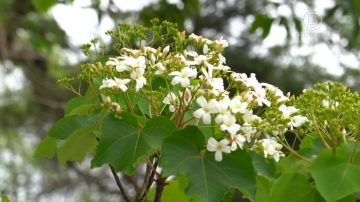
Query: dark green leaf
{"points": [[263, 166], [156, 130], [120, 144], [66, 126], [47, 148], [123, 144], [337, 174], [183, 153], [293, 187]]}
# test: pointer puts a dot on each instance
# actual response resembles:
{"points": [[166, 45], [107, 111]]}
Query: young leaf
{"points": [[78, 145], [182, 153], [47, 148], [337, 174]]}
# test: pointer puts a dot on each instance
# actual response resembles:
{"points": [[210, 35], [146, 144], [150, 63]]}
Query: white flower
{"points": [[218, 147], [206, 109], [161, 68], [138, 75], [171, 100], [248, 131], [250, 117], [297, 121], [287, 111], [229, 124], [278, 93], [223, 109], [195, 37], [183, 76], [237, 106], [216, 83], [222, 43], [115, 83], [237, 141], [119, 65], [271, 148]]}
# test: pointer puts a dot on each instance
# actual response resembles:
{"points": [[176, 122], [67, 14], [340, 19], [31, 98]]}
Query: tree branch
{"points": [[121, 188]]}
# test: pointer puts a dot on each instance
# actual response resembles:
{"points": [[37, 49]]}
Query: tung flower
{"points": [[206, 109], [218, 147], [183, 76]]}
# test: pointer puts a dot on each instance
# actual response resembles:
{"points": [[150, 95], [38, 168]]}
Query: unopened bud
{"points": [[166, 50], [152, 58]]}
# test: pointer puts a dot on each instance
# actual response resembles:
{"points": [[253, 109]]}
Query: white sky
{"points": [[81, 25]]}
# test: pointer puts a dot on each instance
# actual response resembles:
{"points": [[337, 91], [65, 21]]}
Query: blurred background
{"points": [[288, 43]]}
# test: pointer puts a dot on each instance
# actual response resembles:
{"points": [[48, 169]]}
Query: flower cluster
{"points": [[201, 90]]}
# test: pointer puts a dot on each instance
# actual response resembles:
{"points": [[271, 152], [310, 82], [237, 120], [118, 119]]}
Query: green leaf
{"points": [[80, 106], [123, 144], [66, 126], [156, 130], [120, 144], [144, 106], [173, 192], [43, 5], [158, 83], [183, 154], [293, 187], [78, 145], [262, 22], [47, 148], [263, 187], [311, 147], [263, 166], [336, 174]]}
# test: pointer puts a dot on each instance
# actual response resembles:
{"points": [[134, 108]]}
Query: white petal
{"points": [[218, 156], [201, 101], [199, 113], [206, 118]]}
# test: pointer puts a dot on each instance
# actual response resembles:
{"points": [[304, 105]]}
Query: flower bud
{"points": [[166, 50]]}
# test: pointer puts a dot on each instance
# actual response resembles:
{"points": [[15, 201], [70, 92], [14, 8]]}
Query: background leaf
{"points": [[43, 5]]}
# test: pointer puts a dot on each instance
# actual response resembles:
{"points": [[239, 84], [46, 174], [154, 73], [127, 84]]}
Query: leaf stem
{"points": [[287, 146]]}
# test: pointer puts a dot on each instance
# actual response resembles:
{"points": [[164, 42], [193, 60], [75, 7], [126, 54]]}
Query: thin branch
{"points": [[121, 188]]}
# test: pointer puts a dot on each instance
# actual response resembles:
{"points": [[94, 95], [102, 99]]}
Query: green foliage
{"points": [[46, 148], [78, 145], [128, 125], [125, 143], [293, 187], [174, 191], [4, 198], [336, 173], [43, 5], [183, 154]]}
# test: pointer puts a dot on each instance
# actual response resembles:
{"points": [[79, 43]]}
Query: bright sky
{"points": [[81, 24]]}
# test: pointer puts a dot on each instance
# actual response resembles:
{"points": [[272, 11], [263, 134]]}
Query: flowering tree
{"points": [[168, 100]]}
